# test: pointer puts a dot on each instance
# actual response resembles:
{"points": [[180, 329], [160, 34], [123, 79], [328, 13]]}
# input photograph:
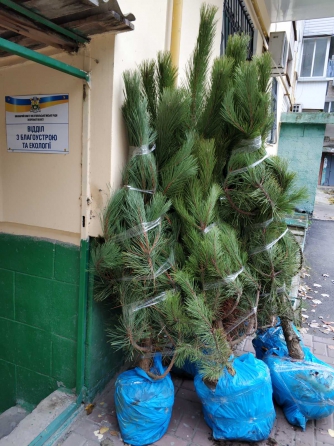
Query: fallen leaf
{"points": [[331, 432], [89, 408], [101, 404], [313, 311], [305, 316], [316, 292], [304, 309], [317, 285], [317, 301], [320, 317], [326, 275], [314, 325], [103, 430], [325, 295], [100, 416], [98, 435], [303, 330], [114, 433], [331, 347]]}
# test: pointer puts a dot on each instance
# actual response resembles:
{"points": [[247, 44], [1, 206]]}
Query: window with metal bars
{"points": [[236, 20]]}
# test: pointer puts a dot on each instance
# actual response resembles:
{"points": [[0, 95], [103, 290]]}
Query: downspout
{"points": [[176, 32], [263, 30], [57, 427]]}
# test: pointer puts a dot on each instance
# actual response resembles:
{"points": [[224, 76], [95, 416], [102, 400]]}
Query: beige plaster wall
{"points": [[130, 49], [42, 190], [190, 24]]}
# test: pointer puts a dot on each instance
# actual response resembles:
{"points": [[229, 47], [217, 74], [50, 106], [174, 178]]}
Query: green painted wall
{"points": [[39, 291], [301, 145], [101, 361], [38, 318]]}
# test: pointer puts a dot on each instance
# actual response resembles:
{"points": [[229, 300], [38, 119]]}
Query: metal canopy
{"points": [[62, 24], [288, 10]]}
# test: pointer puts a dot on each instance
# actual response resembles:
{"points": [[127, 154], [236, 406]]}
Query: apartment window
{"points": [[236, 20], [329, 107], [315, 57]]}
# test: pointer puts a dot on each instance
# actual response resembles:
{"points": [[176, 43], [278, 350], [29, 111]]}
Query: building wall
{"points": [[301, 145], [311, 94], [38, 318]]}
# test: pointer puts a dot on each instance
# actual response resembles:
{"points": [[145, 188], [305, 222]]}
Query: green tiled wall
{"points": [[301, 145], [38, 318]]}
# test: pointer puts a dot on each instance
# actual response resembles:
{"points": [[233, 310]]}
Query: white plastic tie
{"points": [[244, 169], [208, 228], [227, 279], [155, 300], [144, 191], [254, 311], [138, 230], [263, 224], [248, 145], [161, 270], [143, 150], [270, 245], [279, 290]]}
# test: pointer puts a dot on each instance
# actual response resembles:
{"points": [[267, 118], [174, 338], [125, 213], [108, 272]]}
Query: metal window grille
{"points": [[236, 20], [272, 138]]}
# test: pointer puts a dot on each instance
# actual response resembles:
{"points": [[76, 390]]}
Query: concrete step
{"points": [[34, 423], [10, 419]]}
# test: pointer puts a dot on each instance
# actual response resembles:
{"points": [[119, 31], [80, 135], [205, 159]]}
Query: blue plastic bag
{"points": [[143, 405], [241, 406], [304, 389], [272, 338]]}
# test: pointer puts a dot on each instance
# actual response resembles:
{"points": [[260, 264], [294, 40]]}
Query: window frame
{"points": [[324, 74], [236, 18]]}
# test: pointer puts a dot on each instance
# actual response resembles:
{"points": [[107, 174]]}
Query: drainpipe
{"points": [[56, 428], [176, 32]]}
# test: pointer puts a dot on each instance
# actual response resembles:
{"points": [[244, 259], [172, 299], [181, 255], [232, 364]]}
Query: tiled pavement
{"points": [[187, 427]]}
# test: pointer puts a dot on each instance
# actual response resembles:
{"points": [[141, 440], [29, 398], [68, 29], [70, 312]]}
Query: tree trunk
{"points": [[292, 341]]}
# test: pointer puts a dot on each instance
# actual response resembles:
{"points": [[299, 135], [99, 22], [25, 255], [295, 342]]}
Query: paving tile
{"points": [[86, 429], [249, 346], [91, 443], [324, 423], [75, 440], [168, 440], [323, 340], [177, 381], [305, 438], [330, 352], [323, 436], [187, 426], [188, 384], [202, 437], [188, 395], [284, 434], [319, 348], [187, 406]]}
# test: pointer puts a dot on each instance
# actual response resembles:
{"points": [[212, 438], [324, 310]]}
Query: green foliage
{"points": [[198, 65], [135, 111]]}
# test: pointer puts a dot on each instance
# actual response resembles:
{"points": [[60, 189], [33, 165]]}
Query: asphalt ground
{"points": [[319, 260]]}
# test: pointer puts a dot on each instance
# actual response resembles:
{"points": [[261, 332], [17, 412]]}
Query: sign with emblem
{"points": [[37, 123]]}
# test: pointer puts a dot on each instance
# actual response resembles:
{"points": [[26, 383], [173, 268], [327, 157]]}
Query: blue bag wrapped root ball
{"points": [[304, 389], [143, 405], [241, 406]]}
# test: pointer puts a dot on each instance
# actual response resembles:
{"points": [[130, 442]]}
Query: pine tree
{"points": [[259, 191], [133, 261]]}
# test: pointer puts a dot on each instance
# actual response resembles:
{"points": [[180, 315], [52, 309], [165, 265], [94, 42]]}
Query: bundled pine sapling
{"points": [[259, 191], [219, 293], [133, 263]]}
